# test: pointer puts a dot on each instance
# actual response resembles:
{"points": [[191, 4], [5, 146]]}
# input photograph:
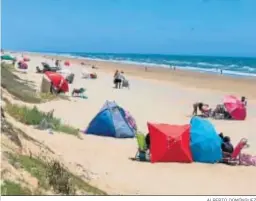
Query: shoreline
{"points": [[214, 70], [235, 85]]}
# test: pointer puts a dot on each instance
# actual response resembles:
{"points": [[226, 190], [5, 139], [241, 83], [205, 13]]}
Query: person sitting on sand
{"points": [[117, 79], [220, 112], [147, 140], [226, 146]]}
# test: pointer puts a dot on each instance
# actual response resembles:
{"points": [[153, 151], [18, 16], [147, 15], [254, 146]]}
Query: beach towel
{"points": [[247, 160]]}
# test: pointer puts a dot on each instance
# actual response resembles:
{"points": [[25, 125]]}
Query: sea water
{"points": [[238, 66]]}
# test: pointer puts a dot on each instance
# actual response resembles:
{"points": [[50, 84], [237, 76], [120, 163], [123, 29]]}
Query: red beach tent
{"points": [[58, 81], [170, 143]]}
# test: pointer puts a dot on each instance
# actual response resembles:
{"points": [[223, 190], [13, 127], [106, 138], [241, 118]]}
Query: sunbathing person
{"points": [[203, 108], [220, 112]]}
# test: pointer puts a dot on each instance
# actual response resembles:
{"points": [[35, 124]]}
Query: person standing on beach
{"points": [[57, 63], [117, 79]]}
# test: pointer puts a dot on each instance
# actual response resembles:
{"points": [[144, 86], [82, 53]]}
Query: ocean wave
{"points": [[229, 66], [194, 68]]}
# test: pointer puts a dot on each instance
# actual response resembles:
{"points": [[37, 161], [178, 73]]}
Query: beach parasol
{"points": [[67, 63], [26, 59], [235, 107], [7, 57]]}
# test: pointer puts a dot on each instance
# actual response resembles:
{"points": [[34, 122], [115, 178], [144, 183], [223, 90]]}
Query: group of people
{"points": [[119, 80], [206, 111], [226, 145]]}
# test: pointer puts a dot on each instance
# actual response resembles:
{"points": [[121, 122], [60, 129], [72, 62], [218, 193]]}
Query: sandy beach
{"points": [[161, 96]]}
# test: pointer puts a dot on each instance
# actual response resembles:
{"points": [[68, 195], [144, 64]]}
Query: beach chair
{"points": [[234, 158], [142, 147]]}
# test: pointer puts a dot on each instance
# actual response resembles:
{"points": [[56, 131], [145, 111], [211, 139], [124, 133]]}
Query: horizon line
{"points": [[133, 53]]}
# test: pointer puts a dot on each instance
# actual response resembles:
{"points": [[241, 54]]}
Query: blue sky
{"points": [[204, 27]]}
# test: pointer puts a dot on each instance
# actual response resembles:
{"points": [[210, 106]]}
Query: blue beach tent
{"points": [[111, 122], [205, 143]]}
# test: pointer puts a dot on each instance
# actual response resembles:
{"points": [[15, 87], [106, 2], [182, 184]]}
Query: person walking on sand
{"points": [[117, 79]]}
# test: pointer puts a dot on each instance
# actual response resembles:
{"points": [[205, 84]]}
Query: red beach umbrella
{"points": [[58, 81], [67, 63], [26, 59], [235, 107]]}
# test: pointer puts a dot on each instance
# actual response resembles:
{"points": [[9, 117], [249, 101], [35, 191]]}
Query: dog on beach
{"points": [[78, 92]]}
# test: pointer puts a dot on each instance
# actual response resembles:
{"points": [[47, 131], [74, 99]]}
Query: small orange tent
{"points": [[169, 143]]}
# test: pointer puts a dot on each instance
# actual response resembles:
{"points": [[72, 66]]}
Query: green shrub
{"points": [[51, 173], [12, 188], [21, 89], [33, 116], [16, 86]]}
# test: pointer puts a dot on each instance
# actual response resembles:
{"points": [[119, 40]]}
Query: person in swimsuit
{"points": [[201, 106]]}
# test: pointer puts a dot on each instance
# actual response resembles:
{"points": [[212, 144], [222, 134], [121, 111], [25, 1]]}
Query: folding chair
{"points": [[142, 147], [234, 158]]}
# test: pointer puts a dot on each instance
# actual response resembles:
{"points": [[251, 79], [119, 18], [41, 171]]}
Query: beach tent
{"points": [[169, 143], [58, 81], [7, 57], [235, 107], [112, 121], [205, 143]]}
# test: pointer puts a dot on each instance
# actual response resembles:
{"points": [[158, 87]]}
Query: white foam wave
{"points": [[185, 65]]}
